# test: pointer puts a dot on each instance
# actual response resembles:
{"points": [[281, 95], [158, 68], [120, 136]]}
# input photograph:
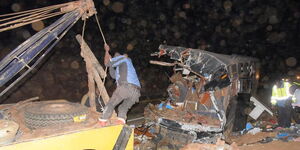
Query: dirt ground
{"points": [[249, 138], [252, 142], [247, 142], [275, 145]]}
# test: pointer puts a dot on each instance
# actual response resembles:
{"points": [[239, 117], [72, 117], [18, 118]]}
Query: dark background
{"points": [[267, 30]]}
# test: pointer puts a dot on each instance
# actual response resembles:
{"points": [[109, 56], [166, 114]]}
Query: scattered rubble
{"points": [[268, 137], [262, 133], [220, 145], [254, 131]]}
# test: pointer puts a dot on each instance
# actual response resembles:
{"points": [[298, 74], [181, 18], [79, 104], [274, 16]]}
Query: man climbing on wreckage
{"points": [[127, 92]]}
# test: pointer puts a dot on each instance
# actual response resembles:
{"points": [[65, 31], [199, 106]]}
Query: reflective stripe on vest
{"points": [[281, 93]]}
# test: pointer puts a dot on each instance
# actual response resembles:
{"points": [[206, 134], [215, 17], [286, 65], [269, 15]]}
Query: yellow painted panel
{"points": [[93, 139]]}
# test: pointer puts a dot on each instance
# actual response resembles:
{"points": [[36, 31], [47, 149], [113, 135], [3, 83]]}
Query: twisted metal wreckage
{"points": [[205, 92], [43, 125]]}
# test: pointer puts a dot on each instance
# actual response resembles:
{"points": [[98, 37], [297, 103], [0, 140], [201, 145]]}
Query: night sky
{"points": [[268, 30]]}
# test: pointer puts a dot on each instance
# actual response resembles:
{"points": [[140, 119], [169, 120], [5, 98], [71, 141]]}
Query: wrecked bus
{"points": [[208, 95]]}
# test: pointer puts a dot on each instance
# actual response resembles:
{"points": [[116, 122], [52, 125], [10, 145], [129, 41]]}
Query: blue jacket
{"points": [[121, 69]]}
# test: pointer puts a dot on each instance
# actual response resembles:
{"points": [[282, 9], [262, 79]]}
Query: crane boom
{"points": [[18, 63]]}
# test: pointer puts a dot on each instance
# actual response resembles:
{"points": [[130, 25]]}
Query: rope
{"points": [[103, 37], [82, 33], [29, 22], [100, 29], [99, 26], [35, 10], [30, 13], [33, 17], [102, 107], [29, 17], [82, 37], [18, 19]]}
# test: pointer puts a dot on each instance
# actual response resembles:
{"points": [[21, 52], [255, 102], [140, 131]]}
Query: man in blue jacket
{"points": [[127, 92]]}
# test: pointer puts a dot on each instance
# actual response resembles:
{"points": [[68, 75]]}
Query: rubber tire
{"points": [[35, 117]]}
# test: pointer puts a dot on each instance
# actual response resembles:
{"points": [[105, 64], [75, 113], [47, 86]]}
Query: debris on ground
{"points": [[254, 131], [165, 104], [220, 145], [142, 135], [268, 137]]}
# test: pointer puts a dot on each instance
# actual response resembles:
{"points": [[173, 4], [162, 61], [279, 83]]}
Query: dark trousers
{"points": [[285, 114], [296, 114], [126, 95]]}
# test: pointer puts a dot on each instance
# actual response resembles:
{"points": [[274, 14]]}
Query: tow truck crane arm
{"points": [[18, 63]]}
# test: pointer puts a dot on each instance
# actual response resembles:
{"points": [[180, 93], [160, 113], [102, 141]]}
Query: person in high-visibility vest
{"points": [[296, 83], [282, 98], [295, 89]]}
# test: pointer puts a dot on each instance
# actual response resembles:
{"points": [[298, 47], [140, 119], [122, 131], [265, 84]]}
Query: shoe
{"points": [[120, 121], [102, 122]]}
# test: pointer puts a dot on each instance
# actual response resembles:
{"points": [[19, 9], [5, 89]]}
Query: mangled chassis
{"points": [[205, 88]]}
